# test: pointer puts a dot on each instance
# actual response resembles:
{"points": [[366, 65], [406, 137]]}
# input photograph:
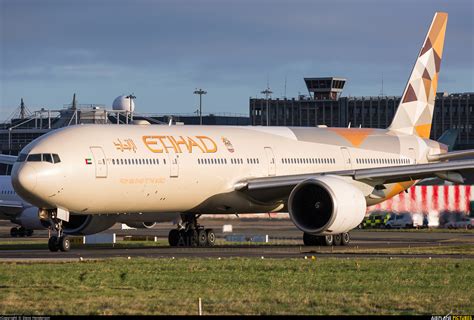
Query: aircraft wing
{"points": [[279, 187], [10, 208], [7, 159]]}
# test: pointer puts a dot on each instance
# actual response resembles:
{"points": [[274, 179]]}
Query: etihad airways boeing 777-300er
{"points": [[324, 177]]}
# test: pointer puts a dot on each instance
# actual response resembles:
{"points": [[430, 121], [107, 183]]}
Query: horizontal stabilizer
{"points": [[451, 155]]}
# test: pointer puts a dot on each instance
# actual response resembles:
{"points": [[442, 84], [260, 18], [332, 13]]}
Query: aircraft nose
{"points": [[25, 180]]}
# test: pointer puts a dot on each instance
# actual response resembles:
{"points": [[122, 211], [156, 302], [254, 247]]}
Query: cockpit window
{"points": [[39, 157], [47, 157], [34, 157], [21, 157]]}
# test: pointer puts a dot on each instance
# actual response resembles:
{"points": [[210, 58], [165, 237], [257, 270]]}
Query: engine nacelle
{"points": [[141, 225], [28, 219], [88, 224], [326, 205]]}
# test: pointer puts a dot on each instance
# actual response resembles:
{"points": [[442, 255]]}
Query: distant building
{"points": [[324, 106]]}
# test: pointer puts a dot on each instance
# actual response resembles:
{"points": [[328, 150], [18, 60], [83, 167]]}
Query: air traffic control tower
{"points": [[325, 88]]}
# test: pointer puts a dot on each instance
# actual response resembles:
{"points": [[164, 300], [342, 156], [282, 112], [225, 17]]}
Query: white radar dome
{"points": [[123, 103]]}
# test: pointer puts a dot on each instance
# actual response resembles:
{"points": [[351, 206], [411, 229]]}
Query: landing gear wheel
{"points": [[345, 239], [211, 237], [53, 244], [173, 238], [192, 238], [310, 240], [29, 233], [328, 240], [14, 232], [337, 240], [22, 232], [64, 244], [183, 239], [202, 238]]}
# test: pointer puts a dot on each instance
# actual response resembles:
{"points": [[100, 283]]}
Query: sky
{"points": [[162, 50]]}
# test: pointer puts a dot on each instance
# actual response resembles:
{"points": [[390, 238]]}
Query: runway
{"points": [[285, 242]]}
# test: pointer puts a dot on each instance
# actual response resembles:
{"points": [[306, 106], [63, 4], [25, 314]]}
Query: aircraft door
{"points": [[100, 162], [347, 158], [271, 161], [412, 155], [174, 165]]}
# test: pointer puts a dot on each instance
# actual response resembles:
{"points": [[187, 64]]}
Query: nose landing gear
{"points": [[191, 234], [59, 242]]}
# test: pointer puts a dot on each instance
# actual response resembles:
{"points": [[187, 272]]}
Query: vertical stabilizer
{"points": [[415, 111]]}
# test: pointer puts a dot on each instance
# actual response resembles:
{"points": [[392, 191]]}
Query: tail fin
{"points": [[415, 111]]}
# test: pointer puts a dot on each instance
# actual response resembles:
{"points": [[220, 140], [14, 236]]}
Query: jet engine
{"points": [[141, 225], [28, 219], [88, 224], [326, 205]]}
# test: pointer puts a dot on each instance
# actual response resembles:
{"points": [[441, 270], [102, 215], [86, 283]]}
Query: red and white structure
{"points": [[432, 201]]}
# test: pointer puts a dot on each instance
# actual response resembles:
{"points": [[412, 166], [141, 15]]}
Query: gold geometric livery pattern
{"points": [[415, 111]]}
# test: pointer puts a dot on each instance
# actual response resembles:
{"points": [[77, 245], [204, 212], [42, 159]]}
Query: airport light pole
{"points": [[200, 92], [267, 92]]}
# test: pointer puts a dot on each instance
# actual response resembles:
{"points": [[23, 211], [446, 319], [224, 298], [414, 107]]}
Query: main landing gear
{"points": [[190, 234], [20, 232], [58, 242], [342, 239]]}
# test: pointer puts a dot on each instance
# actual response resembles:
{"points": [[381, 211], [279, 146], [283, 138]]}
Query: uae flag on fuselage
{"points": [[88, 161]]}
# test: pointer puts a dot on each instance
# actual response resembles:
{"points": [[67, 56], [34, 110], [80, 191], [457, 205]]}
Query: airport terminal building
{"points": [[325, 106]]}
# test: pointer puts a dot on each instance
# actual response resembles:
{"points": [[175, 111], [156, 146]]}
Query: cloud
{"points": [[231, 47]]}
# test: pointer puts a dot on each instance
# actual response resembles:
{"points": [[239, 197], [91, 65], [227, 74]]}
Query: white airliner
{"points": [[18, 211], [324, 177]]}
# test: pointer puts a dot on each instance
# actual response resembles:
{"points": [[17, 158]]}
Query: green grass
{"points": [[239, 286]]}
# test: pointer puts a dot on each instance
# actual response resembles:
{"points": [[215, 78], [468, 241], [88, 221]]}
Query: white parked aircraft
{"points": [[324, 177]]}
